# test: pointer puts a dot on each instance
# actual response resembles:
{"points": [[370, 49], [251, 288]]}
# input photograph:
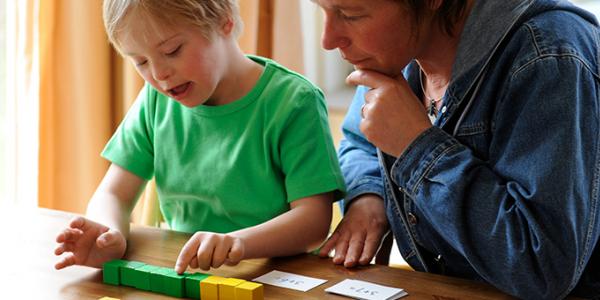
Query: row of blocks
{"points": [[189, 285]]}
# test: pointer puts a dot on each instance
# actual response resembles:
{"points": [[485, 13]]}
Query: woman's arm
{"points": [[359, 234]]}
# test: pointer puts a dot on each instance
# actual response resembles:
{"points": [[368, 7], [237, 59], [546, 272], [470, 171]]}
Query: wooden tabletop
{"points": [[27, 266]]}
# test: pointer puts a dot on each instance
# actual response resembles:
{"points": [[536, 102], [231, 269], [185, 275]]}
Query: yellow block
{"points": [[227, 288], [209, 287], [249, 291]]}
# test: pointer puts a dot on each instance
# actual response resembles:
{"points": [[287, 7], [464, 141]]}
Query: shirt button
{"points": [[444, 108], [412, 219]]}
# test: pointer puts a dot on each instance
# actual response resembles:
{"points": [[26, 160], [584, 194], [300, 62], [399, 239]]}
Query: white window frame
{"points": [[22, 106]]}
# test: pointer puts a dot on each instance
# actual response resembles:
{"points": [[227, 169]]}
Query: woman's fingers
{"points": [[329, 244], [355, 248], [372, 242]]}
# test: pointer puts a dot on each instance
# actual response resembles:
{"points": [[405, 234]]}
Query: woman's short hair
{"points": [[449, 12]]}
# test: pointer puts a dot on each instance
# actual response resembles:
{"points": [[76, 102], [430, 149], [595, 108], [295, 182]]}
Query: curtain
{"points": [[81, 88], [86, 88]]}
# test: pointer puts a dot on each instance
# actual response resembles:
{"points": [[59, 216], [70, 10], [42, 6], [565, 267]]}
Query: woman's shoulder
{"points": [[561, 33]]}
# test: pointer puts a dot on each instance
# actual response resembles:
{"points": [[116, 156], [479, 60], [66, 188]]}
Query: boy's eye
{"points": [[140, 63], [174, 52]]}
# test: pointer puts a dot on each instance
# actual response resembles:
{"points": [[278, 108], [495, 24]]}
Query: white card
{"points": [[290, 281], [365, 290]]}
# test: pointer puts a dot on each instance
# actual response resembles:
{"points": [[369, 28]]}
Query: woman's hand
{"points": [[88, 244], [358, 236], [207, 249], [392, 116]]}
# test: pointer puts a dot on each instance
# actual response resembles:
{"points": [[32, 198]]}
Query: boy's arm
{"points": [[302, 228], [115, 198], [101, 236], [298, 230]]}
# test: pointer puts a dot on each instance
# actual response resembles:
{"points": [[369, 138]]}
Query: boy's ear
{"points": [[435, 4], [227, 27]]}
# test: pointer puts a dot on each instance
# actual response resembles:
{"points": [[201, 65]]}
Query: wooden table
{"points": [[27, 272]]}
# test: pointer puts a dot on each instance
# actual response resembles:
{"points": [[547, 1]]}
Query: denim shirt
{"points": [[504, 187]]}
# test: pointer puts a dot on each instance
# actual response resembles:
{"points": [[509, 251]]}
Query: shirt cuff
{"points": [[364, 185]]}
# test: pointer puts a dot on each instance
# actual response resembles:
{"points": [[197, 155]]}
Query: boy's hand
{"points": [[207, 249], [89, 244]]}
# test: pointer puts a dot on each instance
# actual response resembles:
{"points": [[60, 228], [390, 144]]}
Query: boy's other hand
{"points": [[207, 249], [88, 244]]}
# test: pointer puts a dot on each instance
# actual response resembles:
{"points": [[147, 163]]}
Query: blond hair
{"points": [[207, 15]]}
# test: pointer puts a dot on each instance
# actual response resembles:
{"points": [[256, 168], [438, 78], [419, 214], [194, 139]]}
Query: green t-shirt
{"points": [[223, 168]]}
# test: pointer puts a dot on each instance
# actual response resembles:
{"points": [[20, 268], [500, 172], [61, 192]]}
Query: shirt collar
{"points": [[486, 27]]}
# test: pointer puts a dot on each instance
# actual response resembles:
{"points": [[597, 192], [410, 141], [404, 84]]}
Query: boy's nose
{"points": [[161, 72]]}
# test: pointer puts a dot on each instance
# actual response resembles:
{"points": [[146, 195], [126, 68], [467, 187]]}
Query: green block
{"points": [[192, 284], [128, 277], [111, 273], [157, 279], [142, 277], [173, 284]]}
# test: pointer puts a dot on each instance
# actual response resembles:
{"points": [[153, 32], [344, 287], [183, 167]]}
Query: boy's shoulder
{"points": [[281, 77]]}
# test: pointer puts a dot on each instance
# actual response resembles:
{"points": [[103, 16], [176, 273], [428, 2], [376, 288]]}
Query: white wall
{"points": [[325, 68], [592, 6]]}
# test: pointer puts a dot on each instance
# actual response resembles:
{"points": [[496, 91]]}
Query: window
{"points": [[19, 105], [3, 102]]}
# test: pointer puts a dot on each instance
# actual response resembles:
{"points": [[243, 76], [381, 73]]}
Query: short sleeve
{"points": [[131, 146], [308, 156]]}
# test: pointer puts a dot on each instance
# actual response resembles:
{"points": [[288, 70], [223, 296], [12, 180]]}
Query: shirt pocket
{"points": [[477, 137]]}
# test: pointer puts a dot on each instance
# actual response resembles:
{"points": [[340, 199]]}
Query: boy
{"points": [[239, 146]]}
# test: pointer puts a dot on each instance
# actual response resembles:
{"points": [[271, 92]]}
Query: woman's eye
{"points": [[352, 18], [346, 17], [140, 63]]}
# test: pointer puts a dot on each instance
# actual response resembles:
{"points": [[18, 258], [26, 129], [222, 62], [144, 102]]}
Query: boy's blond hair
{"points": [[207, 15]]}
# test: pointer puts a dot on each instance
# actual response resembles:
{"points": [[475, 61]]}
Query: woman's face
{"points": [[378, 35]]}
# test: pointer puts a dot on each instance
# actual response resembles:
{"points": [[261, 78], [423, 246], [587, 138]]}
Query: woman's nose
{"points": [[333, 36]]}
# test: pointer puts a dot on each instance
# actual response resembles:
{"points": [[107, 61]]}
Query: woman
{"points": [[474, 129]]}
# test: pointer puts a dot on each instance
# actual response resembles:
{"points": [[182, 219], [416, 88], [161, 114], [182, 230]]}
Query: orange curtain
{"points": [[86, 88], [75, 108]]}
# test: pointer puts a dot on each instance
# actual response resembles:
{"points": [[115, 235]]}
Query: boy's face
{"points": [[176, 60]]}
